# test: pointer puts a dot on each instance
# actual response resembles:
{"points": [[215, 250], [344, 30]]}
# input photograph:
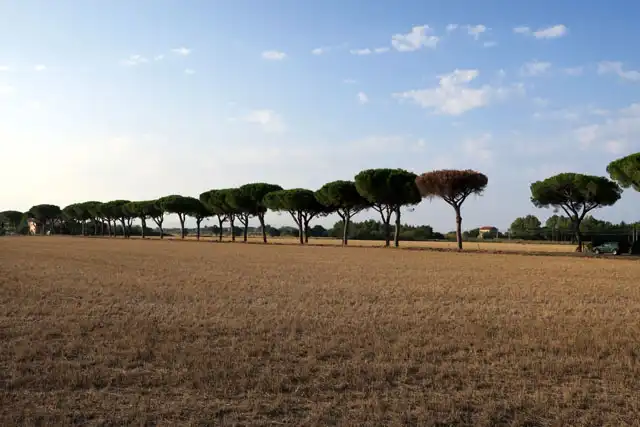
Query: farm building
{"points": [[488, 231]]}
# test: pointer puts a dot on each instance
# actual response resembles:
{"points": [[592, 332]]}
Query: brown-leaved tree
{"points": [[453, 186]]}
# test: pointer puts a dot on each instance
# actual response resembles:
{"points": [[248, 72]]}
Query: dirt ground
{"points": [[115, 332]]}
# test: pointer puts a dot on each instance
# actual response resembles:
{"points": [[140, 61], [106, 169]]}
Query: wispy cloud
{"points": [[40, 67], [326, 49], [4, 68], [349, 81], [489, 44], [451, 27], [535, 68], [609, 67], [158, 57], [476, 30], [544, 33], [574, 71], [362, 98], [454, 96], [189, 71], [478, 148], [273, 55], [133, 60], [417, 38], [182, 51], [268, 120], [367, 51]]}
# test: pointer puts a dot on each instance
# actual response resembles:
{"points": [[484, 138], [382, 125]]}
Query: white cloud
{"points": [[362, 98], [134, 60], [367, 51], [360, 51], [182, 51], [451, 27], [320, 50], [489, 44], [417, 38], [269, 120], [349, 81], [616, 132], [453, 96], [535, 68], [540, 102], [158, 57], [273, 55], [476, 30], [477, 148], [4, 68], [551, 32], [543, 33], [40, 67], [573, 71], [522, 30], [609, 67], [189, 71]]}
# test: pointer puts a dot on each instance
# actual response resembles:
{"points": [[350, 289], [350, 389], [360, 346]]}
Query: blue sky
{"points": [[139, 99]]}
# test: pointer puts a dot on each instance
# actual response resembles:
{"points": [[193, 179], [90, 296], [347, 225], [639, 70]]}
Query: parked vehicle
{"points": [[612, 248]]}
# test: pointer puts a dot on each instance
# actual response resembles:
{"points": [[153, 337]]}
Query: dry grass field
{"points": [[490, 246], [115, 332]]}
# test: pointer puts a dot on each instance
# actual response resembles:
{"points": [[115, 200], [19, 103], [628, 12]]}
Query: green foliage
{"points": [[375, 230], [197, 209], [388, 187], [215, 200], [12, 218], [626, 171], [295, 200], [115, 209], [575, 193], [45, 212], [558, 222], [529, 223], [342, 197], [249, 198], [175, 204]]}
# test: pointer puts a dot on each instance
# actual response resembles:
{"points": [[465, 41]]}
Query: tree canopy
{"points": [[301, 204], [387, 190], [179, 205], [626, 171], [215, 200], [454, 187], [14, 218], [250, 199], [576, 194], [529, 223], [343, 198]]}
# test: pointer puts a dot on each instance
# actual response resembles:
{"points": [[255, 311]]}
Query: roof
{"points": [[488, 227]]}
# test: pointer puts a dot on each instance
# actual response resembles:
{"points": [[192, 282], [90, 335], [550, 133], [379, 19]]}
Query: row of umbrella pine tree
{"points": [[385, 191]]}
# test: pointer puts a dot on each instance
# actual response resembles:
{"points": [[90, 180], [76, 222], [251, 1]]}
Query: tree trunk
{"points": [[220, 222], [246, 230], [306, 231], [233, 230], [124, 228], [300, 228], [264, 232], [181, 218], [109, 227], [161, 231], [198, 221], [396, 238], [44, 225], [143, 220], [458, 227], [102, 227], [578, 235], [84, 223], [345, 229]]}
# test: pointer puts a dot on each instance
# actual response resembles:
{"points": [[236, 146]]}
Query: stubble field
{"points": [[115, 332]]}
